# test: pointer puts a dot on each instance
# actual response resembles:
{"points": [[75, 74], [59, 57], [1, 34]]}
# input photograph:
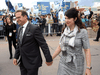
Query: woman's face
{"points": [[83, 16], [69, 21], [8, 20]]}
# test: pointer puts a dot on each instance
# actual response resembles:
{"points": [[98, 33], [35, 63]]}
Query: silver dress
{"points": [[72, 58]]}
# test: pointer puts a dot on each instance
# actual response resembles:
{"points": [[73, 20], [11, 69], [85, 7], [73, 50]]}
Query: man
{"points": [[28, 46], [91, 14], [48, 18], [42, 22]]}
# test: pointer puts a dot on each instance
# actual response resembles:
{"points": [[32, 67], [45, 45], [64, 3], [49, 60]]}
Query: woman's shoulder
{"points": [[83, 30]]}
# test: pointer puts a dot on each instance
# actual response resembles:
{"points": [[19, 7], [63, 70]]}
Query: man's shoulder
{"points": [[32, 26]]}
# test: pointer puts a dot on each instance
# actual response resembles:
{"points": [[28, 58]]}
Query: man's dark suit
{"points": [[29, 49]]}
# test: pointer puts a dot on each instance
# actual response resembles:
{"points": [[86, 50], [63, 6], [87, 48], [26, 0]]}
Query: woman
{"points": [[72, 40], [10, 29]]}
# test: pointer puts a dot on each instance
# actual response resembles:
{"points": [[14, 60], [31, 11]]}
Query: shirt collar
{"points": [[25, 25]]}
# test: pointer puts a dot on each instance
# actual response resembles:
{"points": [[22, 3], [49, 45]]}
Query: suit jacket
{"points": [[29, 49]]}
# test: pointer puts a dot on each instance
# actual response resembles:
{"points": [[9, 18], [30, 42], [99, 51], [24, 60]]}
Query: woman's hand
{"points": [[6, 39], [14, 31], [88, 72]]}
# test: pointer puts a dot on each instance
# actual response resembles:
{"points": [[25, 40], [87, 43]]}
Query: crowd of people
{"points": [[57, 23]]}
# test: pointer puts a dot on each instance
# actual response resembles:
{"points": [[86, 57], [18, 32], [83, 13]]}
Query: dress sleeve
{"points": [[85, 39]]}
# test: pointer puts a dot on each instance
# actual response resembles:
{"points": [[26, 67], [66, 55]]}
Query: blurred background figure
{"points": [[55, 24], [34, 21], [98, 32], [42, 22], [48, 18], [10, 30]]}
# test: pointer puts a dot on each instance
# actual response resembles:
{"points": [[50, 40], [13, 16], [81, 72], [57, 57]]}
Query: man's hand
{"points": [[49, 63], [6, 39], [15, 61]]}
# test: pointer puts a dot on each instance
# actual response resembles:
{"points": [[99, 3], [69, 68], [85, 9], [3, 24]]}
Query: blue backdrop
{"points": [[44, 7], [65, 6]]}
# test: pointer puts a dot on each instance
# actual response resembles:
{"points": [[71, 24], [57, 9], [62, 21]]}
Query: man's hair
{"points": [[23, 13]]}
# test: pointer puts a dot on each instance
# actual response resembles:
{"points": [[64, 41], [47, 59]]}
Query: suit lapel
{"points": [[26, 30]]}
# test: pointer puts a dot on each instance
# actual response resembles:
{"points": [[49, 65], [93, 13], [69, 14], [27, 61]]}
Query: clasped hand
{"points": [[49, 63]]}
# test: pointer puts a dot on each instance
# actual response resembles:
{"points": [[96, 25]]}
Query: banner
{"points": [[1, 13], [65, 6], [44, 7], [9, 5], [35, 7], [20, 6], [1, 22], [87, 12], [52, 7], [56, 3], [39, 5]]}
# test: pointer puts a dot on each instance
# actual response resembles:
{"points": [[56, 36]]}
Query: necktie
{"points": [[21, 34]]}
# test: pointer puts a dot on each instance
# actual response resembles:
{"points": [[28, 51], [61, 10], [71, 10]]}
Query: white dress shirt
{"points": [[24, 27]]}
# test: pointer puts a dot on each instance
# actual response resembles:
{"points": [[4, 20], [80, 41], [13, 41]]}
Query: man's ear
{"points": [[25, 16]]}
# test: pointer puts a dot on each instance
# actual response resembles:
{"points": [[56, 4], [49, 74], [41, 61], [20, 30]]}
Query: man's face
{"points": [[48, 16], [21, 20], [42, 17]]}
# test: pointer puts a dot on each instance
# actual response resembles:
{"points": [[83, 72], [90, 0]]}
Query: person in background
{"points": [[84, 20], [55, 24], [91, 14], [90, 17], [14, 20], [98, 33], [98, 17], [48, 18], [73, 39], [12, 15], [10, 31], [42, 23], [44, 17], [4, 23], [87, 21], [34, 21]]}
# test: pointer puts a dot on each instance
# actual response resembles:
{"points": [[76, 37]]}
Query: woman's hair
{"points": [[73, 13]]}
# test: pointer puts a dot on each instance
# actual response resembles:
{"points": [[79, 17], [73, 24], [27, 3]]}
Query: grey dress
{"points": [[72, 59]]}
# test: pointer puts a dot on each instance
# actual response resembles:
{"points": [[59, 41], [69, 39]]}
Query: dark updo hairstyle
{"points": [[73, 13]]}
